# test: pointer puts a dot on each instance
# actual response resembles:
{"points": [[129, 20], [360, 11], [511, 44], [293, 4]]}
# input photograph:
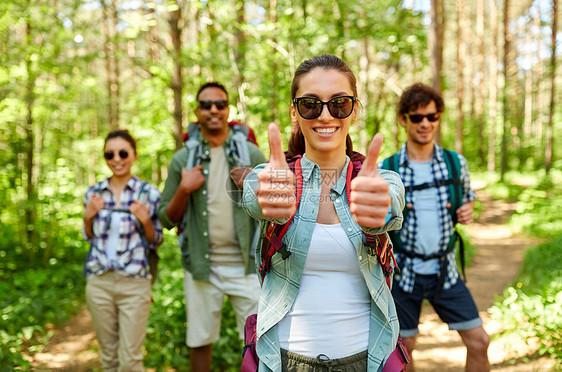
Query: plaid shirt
{"points": [[409, 232], [281, 285], [131, 254]]}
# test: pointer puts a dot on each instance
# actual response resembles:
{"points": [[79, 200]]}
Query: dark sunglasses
{"points": [[221, 104], [339, 107], [417, 118], [122, 154]]}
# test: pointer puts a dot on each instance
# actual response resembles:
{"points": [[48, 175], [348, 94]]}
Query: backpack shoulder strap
{"points": [[238, 147], [193, 146], [392, 163], [455, 187], [144, 190]]}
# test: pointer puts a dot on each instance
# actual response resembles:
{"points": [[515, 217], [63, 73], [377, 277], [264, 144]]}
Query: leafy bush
{"points": [[33, 298], [532, 306]]}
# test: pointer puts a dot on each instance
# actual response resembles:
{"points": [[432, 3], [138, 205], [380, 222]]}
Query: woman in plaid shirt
{"points": [[121, 225]]}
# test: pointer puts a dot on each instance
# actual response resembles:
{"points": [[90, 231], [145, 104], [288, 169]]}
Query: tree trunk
{"points": [[109, 31], [177, 80], [435, 40], [364, 67], [115, 58], [479, 79], [30, 205], [153, 36], [506, 68], [105, 27], [272, 17], [538, 82], [528, 109], [493, 86], [461, 56], [240, 58], [549, 145]]}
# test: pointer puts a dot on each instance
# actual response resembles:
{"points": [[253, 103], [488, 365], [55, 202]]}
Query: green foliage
{"points": [[165, 336], [35, 299], [538, 211], [532, 306]]}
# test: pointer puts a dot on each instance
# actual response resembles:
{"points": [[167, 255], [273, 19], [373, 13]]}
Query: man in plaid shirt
{"points": [[427, 231]]}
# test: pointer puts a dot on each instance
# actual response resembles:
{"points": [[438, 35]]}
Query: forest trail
{"points": [[73, 347]]}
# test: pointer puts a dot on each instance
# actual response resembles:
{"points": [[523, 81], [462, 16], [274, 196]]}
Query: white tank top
{"points": [[331, 312]]}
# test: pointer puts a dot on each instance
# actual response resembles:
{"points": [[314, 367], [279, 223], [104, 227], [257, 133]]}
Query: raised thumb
{"points": [[276, 154], [370, 163]]}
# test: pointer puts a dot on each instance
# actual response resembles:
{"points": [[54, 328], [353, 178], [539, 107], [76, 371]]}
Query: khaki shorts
{"points": [[204, 301]]}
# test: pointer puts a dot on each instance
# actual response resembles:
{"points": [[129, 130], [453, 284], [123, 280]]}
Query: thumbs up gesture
{"points": [[369, 191], [276, 182]]}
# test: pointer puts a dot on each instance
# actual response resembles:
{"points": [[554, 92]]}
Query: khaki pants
{"points": [[119, 307]]}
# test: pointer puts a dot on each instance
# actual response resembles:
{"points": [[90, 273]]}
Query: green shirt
{"points": [[195, 248]]}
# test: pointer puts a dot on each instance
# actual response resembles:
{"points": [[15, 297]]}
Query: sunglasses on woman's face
{"points": [[221, 104], [109, 155], [417, 118], [339, 107]]}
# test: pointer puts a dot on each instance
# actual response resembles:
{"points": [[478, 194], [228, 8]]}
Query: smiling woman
{"points": [[323, 302], [122, 227]]}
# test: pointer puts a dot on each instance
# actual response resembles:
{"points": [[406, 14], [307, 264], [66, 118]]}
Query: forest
{"points": [[73, 70]]}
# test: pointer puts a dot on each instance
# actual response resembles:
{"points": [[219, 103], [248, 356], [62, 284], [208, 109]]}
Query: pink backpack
{"points": [[250, 361]]}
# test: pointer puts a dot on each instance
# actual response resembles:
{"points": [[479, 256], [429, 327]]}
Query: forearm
{"points": [[88, 227], [176, 207], [149, 231]]}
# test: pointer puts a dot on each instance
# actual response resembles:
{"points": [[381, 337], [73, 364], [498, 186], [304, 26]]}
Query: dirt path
{"points": [[73, 348]]}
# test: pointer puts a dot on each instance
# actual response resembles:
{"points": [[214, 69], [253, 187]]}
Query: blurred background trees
{"points": [[72, 70]]}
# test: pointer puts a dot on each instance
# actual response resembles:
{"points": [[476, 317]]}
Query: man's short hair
{"points": [[211, 84], [419, 95]]}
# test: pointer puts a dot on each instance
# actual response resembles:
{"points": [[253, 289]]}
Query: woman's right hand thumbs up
{"points": [[276, 182]]}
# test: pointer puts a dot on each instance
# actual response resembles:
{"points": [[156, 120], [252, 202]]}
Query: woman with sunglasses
{"points": [[327, 304], [121, 225]]}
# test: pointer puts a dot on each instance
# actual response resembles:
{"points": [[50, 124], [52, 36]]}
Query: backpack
{"points": [[151, 254], [455, 198], [238, 149], [377, 245]]}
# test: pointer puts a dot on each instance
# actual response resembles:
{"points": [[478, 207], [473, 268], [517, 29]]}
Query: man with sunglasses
{"points": [[217, 233], [424, 248]]}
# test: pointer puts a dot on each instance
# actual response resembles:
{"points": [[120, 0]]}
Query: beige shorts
{"points": [[204, 301]]}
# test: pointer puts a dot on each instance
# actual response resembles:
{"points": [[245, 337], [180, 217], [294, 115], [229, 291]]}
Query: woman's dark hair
{"points": [[419, 95], [122, 133], [327, 62]]}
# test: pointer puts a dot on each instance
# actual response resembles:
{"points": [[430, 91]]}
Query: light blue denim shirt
{"points": [[282, 282]]}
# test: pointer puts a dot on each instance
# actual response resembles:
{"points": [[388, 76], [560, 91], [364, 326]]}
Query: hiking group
{"points": [[325, 254]]}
